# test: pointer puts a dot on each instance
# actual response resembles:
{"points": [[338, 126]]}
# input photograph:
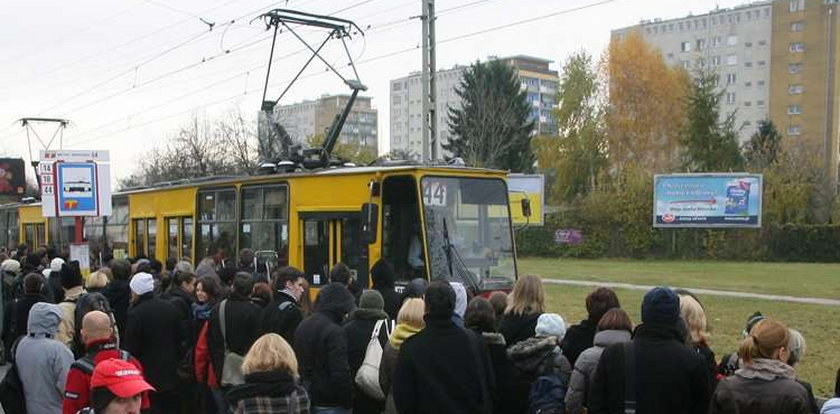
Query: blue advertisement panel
{"points": [[77, 192], [707, 200]]}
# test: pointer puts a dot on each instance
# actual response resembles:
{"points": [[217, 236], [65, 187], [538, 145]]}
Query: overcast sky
{"points": [[128, 73]]}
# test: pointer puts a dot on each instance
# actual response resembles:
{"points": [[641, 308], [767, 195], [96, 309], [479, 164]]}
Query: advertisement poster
{"points": [[707, 200], [12, 176], [81, 252]]}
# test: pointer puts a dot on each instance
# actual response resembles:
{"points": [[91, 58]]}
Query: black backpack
{"points": [[93, 301], [86, 364], [11, 388]]}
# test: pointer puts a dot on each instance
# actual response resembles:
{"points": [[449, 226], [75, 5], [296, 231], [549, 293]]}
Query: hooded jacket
{"points": [[763, 386], [831, 406], [321, 348], [531, 359], [42, 361], [585, 367]]}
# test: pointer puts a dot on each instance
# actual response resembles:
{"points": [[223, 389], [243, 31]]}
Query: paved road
{"points": [[729, 293]]}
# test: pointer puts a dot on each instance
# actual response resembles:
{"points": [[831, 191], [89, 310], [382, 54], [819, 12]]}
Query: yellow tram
{"points": [[431, 221]]}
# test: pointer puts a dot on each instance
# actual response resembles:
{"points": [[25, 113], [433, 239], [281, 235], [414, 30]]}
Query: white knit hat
{"points": [[142, 283], [10, 265], [551, 324], [55, 264]]}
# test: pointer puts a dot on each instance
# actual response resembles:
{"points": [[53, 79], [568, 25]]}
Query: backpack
{"points": [[86, 364], [548, 394], [93, 301], [11, 388]]}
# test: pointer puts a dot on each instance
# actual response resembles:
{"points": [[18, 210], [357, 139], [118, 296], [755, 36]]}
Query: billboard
{"points": [[75, 183], [12, 176], [531, 186], [707, 200]]}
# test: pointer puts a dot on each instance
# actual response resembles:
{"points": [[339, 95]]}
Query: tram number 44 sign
{"points": [[434, 194]]}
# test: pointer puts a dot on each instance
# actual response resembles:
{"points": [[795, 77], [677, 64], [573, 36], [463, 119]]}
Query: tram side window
{"points": [[265, 221], [116, 228], [145, 237], [179, 237], [217, 224]]}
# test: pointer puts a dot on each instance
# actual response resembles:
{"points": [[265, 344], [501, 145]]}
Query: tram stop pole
{"points": [[78, 230]]}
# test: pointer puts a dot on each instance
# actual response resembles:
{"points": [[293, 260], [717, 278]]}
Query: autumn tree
{"points": [[764, 146], [576, 156], [491, 127], [645, 114], [709, 144]]}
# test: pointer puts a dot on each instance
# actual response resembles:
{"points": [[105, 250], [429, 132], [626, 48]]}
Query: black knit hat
{"points": [[71, 276], [661, 305]]}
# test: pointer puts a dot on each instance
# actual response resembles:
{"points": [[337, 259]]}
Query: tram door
{"points": [[330, 238], [34, 235]]}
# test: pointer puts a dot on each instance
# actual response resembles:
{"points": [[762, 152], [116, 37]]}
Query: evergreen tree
{"points": [[764, 146], [708, 144], [491, 128]]}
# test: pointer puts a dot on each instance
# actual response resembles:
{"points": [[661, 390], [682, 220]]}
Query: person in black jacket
{"points": [[118, 292], [527, 304], [242, 320], [359, 330], [442, 369], [321, 347], [153, 336], [581, 337], [17, 312], [669, 377], [382, 274], [283, 315], [481, 318]]}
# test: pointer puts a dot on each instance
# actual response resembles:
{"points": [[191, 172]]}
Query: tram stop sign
{"points": [[75, 183]]}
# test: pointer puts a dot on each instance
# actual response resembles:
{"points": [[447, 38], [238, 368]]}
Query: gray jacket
{"points": [[585, 367], [42, 361]]}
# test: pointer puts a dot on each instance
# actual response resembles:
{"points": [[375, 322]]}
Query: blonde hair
{"points": [[96, 280], [527, 296], [765, 339], [695, 319], [412, 312], [270, 353]]}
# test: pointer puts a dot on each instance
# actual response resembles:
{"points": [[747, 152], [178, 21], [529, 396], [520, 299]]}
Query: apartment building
{"points": [[406, 129], [305, 119]]}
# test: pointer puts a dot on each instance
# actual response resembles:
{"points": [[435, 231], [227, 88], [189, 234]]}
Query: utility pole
{"points": [[430, 142]]}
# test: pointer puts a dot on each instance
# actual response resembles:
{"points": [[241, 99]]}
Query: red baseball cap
{"points": [[120, 377]]}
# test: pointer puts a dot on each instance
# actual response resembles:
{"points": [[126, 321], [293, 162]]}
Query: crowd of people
{"points": [[143, 336]]}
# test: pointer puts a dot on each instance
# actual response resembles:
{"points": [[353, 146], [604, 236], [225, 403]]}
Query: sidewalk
{"points": [[713, 292]]}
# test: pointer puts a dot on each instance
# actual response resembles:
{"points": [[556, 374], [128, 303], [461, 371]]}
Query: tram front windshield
{"points": [[468, 231]]}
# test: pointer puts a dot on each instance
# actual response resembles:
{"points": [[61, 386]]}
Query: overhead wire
{"points": [[135, 67], [361, 62]]}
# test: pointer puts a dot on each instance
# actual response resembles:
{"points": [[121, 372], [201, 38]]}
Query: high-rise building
{"points": [[305, 119], [777, 59], [805, 76], [535, 76], [733, 43]]}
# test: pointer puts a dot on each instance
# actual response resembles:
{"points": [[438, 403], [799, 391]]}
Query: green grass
{"points": [[726, 320], [794, 279]]}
